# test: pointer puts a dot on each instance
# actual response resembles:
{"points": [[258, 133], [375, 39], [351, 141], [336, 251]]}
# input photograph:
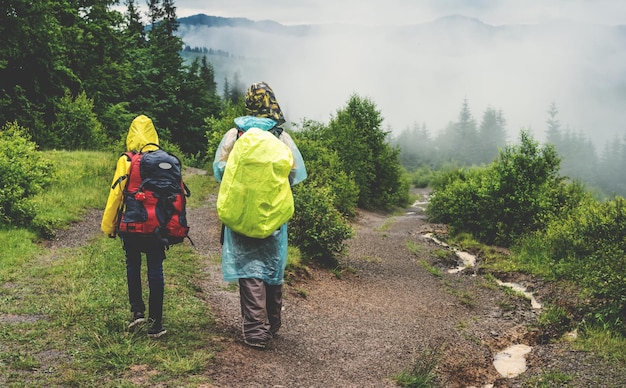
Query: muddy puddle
{"points": [[510, 362]]}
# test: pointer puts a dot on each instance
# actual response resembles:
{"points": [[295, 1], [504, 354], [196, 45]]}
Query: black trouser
{"points": [[261, 305], [134, 246]]}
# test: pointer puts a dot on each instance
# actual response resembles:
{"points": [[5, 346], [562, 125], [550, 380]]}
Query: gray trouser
{"points": [[261, 304]]}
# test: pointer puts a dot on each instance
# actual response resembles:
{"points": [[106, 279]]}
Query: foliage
{"points": [[77, 308], [514, 195], [76, 73], [25, 173], [597, 339], [587, 245], [317, 228], [423, 373], [81, 180], [462, 141], [82, 295], [372, 162], [76, 125], [325, 169], [422, 177], [216, 126]]}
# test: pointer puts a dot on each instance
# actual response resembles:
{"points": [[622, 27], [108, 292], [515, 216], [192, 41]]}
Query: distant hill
{"points": [[220, 22]]}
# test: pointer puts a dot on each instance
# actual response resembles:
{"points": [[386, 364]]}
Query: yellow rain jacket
{"points": [[140, 133]]}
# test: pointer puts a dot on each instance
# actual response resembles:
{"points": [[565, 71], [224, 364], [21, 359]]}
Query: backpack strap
{"points": [[276, 130], [125, 176], [149, 144]]}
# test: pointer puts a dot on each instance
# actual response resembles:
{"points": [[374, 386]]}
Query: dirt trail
{"points": [[386, 309], [364, 327]]}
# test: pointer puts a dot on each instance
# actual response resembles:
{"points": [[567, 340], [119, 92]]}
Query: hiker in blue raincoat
{"points": [[258, 264]]}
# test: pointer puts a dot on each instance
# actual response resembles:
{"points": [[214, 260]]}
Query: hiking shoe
{"points": [[258, 344], [138, 318], [156, 330]]}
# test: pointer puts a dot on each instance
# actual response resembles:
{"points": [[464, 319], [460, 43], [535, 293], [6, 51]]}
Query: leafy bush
{"points": [[587, 245], [324, 170], [516, 194], [76, 125], [356, 134], [24, 174], [317, 228], [422, 177]]}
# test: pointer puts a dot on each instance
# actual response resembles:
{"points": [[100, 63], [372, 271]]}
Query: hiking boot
{"points": [[138, 318], [156, 330], [256, 343]]}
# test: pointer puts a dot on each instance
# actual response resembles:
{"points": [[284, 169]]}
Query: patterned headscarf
{"points": [[261, 102]]}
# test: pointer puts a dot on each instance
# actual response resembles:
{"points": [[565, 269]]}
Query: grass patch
{"points": [[386, 225], [82, 298], [432, 270], [548, 379], [81, 179], [422, 373], [340, 270], [603, 342], [201, 187], [464, 297], [372, 259], [414, 248], [18, 247], [71, 304]]}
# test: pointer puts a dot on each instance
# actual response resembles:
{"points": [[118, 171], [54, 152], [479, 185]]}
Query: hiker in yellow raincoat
{"points": [[140, 134], [258, 263]]}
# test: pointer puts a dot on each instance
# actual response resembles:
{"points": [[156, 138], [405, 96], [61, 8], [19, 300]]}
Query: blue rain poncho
{"points": [[246, 257]]}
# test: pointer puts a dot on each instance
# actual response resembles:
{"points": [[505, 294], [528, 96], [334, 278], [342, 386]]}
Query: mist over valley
{"points": [[421, 73]]}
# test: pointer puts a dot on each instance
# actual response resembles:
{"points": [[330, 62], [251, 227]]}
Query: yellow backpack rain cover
{"points": [[255, 196]]}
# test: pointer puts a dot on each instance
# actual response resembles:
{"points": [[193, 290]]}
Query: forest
{"points": [[75, 73], [466, 142]]}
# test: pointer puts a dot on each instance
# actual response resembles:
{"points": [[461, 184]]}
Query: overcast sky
{"points": [[393, 12]]}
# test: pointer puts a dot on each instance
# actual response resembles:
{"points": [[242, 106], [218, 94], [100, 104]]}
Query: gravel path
{"points": [[392, 303]]}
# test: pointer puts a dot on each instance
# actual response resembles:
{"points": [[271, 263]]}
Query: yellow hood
{"points": [[140, 133]]}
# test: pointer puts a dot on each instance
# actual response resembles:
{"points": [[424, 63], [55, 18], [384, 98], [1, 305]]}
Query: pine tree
{"points": [[553, 132], [491, 134]]}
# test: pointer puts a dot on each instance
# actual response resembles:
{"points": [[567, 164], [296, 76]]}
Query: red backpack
{"points": [[155, 197]]}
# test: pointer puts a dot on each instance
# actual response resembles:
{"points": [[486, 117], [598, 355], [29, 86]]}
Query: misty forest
{"points": [[73, 74]]}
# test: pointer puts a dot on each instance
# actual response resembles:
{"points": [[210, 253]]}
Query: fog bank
{"points": [[422, 73]]}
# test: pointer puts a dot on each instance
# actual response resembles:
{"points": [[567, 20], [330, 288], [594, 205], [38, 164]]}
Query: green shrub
{"points": [[422, 177], [317, 228], [515, 195], [587, 245], [76, 125], [24, 174], [357, 135], [324, 170]]}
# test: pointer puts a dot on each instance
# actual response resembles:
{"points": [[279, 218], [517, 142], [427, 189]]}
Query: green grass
{"points": [[65, 311], [422, 374], [432, 270], [548, 379], [81, 179], [386, 225], [601, 341], [414, 248]]}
